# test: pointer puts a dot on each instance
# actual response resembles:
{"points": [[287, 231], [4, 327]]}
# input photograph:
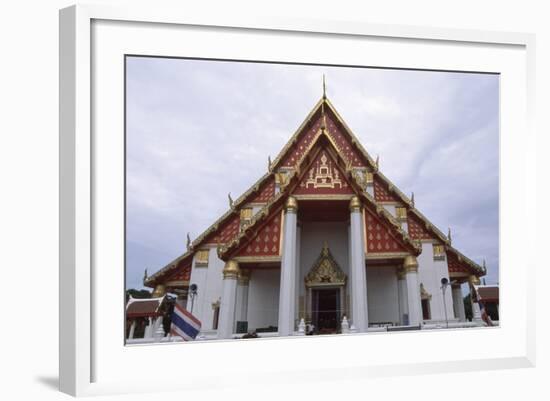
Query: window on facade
{"points": [[201, 257], [426, 309], [401, 212], [439, 252]]}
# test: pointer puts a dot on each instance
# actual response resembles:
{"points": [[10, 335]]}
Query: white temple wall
{"points": [[382, 296], [430, 273], [312, 237], [263, 298], [209, 282]]}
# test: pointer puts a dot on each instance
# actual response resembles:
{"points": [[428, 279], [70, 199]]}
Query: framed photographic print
{"points": [[289, 197]]}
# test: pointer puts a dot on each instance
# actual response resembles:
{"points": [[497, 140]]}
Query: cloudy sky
{"points": [[197, 130]]}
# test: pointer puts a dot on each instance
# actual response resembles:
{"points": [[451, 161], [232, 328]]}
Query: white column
{"points": [[242, 295], [458, 303], [158, 328], [149, 329], [228, 302], [410, 265], [132, 329], [297, 281], [402, 297], [360, 318], [476, 311], [287, 301]]}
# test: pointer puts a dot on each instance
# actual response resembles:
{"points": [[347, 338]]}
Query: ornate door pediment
{"points": [[325, 271]]}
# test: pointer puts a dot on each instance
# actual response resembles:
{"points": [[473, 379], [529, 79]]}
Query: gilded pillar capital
{"points": [[410, 264], [231, 270], [291, 204], [355, 204]]}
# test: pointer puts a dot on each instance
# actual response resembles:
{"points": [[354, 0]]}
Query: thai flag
{"points": [[184, 324]]}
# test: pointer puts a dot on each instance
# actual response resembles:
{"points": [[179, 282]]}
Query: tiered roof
{"points": [[322, 136]]}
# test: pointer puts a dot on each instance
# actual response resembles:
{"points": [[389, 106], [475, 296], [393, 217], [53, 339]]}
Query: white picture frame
{"points": [[81, 347]]}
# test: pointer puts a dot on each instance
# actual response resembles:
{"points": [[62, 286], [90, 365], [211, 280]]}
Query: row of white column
{"points": [[408, 290], [234, 302]]}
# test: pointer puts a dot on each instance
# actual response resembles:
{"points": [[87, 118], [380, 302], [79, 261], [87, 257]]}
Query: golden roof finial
{"points": [[269, 163], [230, 200], [449, 236], [377, 162], [412, 199], [188, 242], [324, 88]]}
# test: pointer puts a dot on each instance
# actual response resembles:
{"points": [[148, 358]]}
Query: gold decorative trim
{"points": [[410, 264], [323, 197], [231, 270], [251, 259], [388, 255], [291, 204], [325, 271], [355, 204]]}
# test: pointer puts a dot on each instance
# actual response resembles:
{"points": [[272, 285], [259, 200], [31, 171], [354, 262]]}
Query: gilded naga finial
{"points": [[324, 88], [449, 236], [188, 242], [230, 200], [412, 199], [377, 162], [269, 163]]}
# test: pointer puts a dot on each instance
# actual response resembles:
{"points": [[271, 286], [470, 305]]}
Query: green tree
{"points": [[141, 294]]}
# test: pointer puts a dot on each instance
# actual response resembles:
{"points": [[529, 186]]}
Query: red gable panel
{"points": [[455, 266], [265, 193], [299, 148], [226, 232], [382, 194], [324, 177], [267, 240], [380, 238], [182, 272], [417, 229], [338, 136], [344, 144]]}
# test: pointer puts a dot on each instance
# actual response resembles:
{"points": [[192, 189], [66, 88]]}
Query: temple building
{"points": [[322, 243]]}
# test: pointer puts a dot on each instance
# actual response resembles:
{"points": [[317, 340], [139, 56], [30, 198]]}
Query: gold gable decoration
{"points": [[325, 271], [323, 176]]}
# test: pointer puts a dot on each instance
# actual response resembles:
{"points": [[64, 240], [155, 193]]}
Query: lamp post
{"points": [[444, 284], [193, 294]]}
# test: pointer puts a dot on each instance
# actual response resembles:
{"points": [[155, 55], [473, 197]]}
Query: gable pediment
{"points": [[325, 271], [324, 176]]}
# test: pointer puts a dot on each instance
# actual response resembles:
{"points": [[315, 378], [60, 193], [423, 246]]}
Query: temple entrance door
{"points": [[326, 310]]}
